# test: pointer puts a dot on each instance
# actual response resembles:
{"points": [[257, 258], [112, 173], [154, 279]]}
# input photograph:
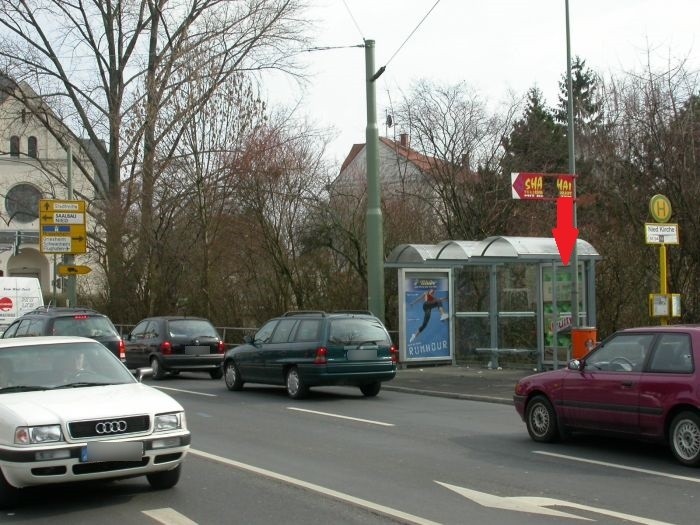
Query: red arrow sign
{"points": [[565, 234]]}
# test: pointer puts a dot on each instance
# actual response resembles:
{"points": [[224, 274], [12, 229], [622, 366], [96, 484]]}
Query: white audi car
{"points": [[71, 411]]}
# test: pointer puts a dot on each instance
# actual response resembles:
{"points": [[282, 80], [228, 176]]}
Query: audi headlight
{"points": [[165, 422], [41, 434]]}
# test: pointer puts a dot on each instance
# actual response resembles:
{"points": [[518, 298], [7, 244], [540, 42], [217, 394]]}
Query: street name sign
{"points": [[62, 226], [657, 233]]}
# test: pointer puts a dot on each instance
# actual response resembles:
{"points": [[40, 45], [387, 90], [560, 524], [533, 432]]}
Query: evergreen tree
{"points": [[537, 142], [588, 108]]}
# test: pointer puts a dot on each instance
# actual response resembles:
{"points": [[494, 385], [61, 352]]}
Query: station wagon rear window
{"points": [[355, 330]]}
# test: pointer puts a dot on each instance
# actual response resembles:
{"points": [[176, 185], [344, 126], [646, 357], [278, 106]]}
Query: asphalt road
{"points": [[258, 457]]}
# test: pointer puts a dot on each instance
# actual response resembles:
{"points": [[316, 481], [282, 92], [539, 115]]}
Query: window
{"points": [[263, 335], [673, 354], [22, 203], [32, 147], [30, 328], [284, 328], [624, 353], [140, 331], [308, 330], [14, 146]]}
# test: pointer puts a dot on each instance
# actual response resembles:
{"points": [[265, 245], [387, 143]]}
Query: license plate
{"points": [[197, 350], [362, 354], [111, 451]]}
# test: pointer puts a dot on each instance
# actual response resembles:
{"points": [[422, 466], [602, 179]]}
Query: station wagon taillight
{"points": [[221, 347], [321, 356], [166, 348], [394, 354]]}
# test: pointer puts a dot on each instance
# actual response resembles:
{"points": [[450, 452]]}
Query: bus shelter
{"points": [[502, 296]]}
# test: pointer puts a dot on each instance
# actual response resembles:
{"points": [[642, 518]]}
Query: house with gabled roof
{"points": [[401, 169]]}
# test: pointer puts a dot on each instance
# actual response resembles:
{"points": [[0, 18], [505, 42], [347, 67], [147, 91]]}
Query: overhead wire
{"points": [[412, 32], [353, 20]]}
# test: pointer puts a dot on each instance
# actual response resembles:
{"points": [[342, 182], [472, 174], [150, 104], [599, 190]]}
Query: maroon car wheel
{"points": [[684, 438], [541, 420]]}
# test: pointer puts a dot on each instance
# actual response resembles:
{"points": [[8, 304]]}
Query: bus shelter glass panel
{"points": [[557, 284], [472, 324], [472, 338], [517, 309], [472, 289]]}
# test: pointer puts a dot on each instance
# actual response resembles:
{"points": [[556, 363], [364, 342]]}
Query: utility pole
{"points": [[375, 234]]}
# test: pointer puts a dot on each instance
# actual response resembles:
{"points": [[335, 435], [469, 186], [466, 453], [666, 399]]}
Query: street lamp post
{"points": [[572, 171]]}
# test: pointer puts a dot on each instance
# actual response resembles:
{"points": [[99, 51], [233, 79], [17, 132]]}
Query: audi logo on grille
{"points": [[110, 427]]}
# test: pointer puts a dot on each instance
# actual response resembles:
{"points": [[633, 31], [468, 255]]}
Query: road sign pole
{"points": [[663, 276], [69, 259]]}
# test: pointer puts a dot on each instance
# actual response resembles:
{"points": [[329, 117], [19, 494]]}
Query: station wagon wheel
{"points": [[165, 479], [684, 437], [541, 420], [9, 495], [296, 389], [232, 377], [371, 389], [158, 372]]}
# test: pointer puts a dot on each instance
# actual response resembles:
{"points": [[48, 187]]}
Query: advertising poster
{"points": [[427, 314]]}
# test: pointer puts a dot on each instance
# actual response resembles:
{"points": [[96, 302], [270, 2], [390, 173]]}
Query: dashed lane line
{"points": [[328, 414], [618, 466], [340, 496]]}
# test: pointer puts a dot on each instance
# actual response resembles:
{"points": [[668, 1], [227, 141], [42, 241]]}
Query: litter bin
{"points": [[582, 340]]}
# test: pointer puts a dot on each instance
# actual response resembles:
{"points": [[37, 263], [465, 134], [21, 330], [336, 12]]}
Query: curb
{"points": [[451, 395]]}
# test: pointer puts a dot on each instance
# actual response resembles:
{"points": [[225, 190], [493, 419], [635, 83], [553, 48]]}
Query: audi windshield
{"points": [[68, 364]]}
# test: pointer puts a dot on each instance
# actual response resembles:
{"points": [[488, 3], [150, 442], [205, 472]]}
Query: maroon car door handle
{"points": [[627, 384]]}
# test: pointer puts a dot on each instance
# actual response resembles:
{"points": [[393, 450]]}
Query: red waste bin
{"points": [[583, 339]]}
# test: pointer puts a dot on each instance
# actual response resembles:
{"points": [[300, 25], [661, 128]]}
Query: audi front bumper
{"points": [[25, 466]]}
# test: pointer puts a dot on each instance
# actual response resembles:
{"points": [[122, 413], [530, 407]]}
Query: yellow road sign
{"points": [[65, 269], [62, 226], [61, 205], [660, 208]]}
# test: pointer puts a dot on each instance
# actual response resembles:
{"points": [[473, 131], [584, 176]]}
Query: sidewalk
{"points": [[460, 382]]}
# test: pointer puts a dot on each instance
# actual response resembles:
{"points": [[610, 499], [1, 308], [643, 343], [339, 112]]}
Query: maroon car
{"points": [[639, 382]]}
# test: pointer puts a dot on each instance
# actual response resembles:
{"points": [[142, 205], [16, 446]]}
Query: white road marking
{"points": [[340, 496], [538, 505], [184, 391], [618, 466], [341, 417], [169, 516]]}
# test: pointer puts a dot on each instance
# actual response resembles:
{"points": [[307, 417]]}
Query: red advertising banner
{"points": [[542, 185]]}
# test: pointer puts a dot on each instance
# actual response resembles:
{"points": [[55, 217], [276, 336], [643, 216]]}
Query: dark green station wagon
{"points": [[304, 349]]}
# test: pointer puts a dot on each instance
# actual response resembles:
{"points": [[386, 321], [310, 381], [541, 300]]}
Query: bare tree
{"points": [[649, 145], [452, 127], [109, 69], [279, 179]]}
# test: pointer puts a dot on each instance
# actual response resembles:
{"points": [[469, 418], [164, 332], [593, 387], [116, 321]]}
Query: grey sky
{"points": [[495, 46]]}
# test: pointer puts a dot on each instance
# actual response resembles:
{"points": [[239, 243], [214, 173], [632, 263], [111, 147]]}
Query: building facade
{"points": [[33, 166]]}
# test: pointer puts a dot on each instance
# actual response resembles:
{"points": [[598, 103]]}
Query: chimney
{"points": [[403, 138]]}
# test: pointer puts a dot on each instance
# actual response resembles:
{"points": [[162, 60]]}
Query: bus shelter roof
{"points": [[450, 253]]}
